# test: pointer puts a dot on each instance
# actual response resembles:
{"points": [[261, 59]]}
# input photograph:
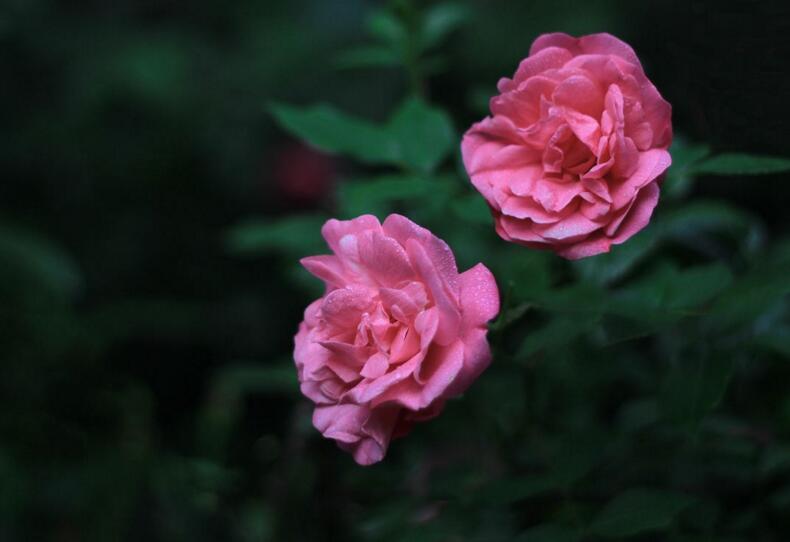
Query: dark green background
{"points": [[146, 387]]}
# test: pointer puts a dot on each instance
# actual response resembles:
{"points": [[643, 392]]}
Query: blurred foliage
{"points": [[150, 285]]}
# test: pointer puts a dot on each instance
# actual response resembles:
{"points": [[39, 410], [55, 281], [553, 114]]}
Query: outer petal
{"points": [[327, 268], [334, 230], [639, 215], [546, 59], [651, 164], [479, 297], [602, 44], [364, 432]]}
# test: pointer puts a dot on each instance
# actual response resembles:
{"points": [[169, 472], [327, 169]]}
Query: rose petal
{"points": [[479, 297], [334, 230]]}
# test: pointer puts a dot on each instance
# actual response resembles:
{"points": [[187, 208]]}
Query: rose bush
{"points": [[397, 332], [573, 152]]}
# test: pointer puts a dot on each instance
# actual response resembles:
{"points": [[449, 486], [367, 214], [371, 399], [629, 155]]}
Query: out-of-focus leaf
{"points": [[680, 176], [688, 222], [299, 235], [229, 387], [775, 459], [559, 332], [776, 340], [549, 532], [570, 463], [384, 25], [756, 292], [439, 21], [367, 57], [607, 268], [29, 256], [243, 378], [524, 274], [510, 315], [154, 69], [686, 225], [333, 131], [472, 208], [506, 387], [742, 164], [256, 522], [669, 293], [637, 511], [380, 195], [424, 134], [637, 415], [517, 488], [695, 386], [578, 298], [780, 500]]}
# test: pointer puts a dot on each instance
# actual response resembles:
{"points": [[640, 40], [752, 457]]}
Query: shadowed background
{"points": [[146, 384]]}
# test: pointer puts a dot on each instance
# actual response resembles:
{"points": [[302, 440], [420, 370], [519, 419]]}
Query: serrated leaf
{"points": [[424, 135], [333, 131], [742, 164], [299, 235], [637, 511]]}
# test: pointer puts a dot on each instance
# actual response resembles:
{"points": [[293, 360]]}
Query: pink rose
{"points": [[396, 334], [571, 158]]}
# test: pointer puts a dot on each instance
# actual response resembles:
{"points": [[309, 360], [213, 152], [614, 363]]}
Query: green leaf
{"points": [[439, 21], [416, 138], [559, 332], [691, 220], [515, 489], [367, 57], [669, 293], [742, 164], [387, 27], [763, 287], [333, 131], [298, 235], [680, 176], [610, 267], [378, 196], [424, 134], [637, 511]]}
